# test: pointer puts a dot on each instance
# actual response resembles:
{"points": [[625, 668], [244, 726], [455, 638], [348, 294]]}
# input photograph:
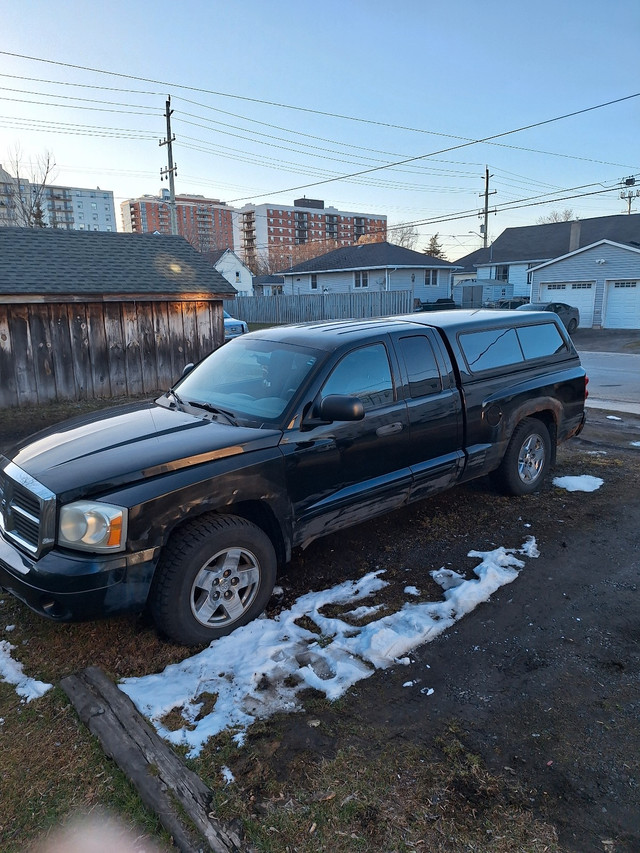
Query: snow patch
{"points": [[263, 666], [12, 672], [583, 483]]}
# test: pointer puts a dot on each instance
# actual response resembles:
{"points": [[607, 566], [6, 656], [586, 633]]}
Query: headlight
{"points": [[93, 526]]}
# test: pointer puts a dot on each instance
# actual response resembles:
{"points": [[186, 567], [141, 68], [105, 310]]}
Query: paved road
{"points": [[614, 380]]}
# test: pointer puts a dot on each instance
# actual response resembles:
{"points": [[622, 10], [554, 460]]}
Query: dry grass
{"points": [[388, 796]]}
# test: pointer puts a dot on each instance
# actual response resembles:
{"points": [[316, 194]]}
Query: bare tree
{"points": [[566, 215], [434, 249], [374, 237], [403, 235], [28, 192]]}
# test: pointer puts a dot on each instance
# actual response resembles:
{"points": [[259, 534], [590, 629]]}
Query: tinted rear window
{"points": [[490, 349], [541, 340]]}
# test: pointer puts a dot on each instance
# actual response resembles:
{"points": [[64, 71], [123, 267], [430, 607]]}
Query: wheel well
{"points": [[260, 514]]}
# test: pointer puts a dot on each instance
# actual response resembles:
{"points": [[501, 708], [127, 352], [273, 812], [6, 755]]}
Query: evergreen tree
{"points": [[434, 248]]}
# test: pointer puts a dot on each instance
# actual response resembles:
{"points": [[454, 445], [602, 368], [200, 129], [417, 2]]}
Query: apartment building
{"points": [[274, 233], [205, 222], [66, 208]]}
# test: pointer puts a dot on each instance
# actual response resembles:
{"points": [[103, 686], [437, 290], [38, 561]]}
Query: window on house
{"points": [[314, 281], [431, 278], [502, 273], [361, 279]]}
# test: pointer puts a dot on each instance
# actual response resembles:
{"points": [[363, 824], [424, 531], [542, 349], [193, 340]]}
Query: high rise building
{"points": [[205, 222], [24, 203], [273, 233]]}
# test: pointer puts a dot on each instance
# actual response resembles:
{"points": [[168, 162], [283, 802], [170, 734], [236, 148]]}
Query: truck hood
{"points": [[129, 443]]}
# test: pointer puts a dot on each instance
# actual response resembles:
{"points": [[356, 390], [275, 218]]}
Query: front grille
{"points": [[27, 510]]}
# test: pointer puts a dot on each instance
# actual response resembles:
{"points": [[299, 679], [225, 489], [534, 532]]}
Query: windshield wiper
{"points": [[214, 410]]}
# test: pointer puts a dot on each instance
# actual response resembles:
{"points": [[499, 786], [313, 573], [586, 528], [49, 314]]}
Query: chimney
{"points": [[574, 236]]}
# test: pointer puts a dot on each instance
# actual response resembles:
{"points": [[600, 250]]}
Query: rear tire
{"points": [[573, 325], [526, 461], [216, 573]]}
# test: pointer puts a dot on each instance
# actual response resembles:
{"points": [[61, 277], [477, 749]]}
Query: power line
{"points": [[310, 109], [455, 147]]}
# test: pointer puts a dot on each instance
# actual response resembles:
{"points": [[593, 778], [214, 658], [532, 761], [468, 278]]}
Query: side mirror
{"points": [[187, 369], [338, 407]]}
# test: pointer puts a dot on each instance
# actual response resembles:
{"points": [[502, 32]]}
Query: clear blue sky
{"points": [[425, 76]]}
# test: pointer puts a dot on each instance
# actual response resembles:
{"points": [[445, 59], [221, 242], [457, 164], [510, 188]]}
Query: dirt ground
{"points": [[543, 681]]}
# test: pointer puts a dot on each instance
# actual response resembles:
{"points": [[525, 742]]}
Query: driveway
{"points": [[612, 361]]}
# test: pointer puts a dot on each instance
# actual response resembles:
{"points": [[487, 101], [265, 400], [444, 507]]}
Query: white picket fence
{"points": [[282, 309]]}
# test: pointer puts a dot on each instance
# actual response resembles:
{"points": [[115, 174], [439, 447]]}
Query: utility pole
{"points": [[630, 194], [171, 170], [484, 228]]}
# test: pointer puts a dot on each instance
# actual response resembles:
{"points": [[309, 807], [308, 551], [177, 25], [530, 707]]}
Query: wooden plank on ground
{"points": [[165, 785]]}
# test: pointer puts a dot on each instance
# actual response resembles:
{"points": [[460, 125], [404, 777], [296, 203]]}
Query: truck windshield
{"points": [[254, 378]]}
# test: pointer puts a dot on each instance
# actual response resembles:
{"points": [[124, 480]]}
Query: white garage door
{"points": [[622, 306], [581, 294]]}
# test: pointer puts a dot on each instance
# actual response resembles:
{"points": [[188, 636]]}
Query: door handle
{"points": [[389, 429]]}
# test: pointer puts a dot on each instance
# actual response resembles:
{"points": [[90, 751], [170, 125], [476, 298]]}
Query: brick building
{"points": [[274, 233], [206, 223]]}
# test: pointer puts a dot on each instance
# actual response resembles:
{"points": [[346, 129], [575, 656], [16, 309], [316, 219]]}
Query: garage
{"points": [[622, 305], [581, 294]]}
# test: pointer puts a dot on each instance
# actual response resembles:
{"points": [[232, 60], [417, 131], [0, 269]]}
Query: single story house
{"points": [[101, 314], [372, 267], [233, 269], [503, 270], [602, 280]]}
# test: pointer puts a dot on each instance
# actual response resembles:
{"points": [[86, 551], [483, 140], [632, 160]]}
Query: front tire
{"points": [[527, 459], [216, 573], [573, 325]]}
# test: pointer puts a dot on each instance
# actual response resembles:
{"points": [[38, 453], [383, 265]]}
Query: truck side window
{"points": [[540, 340], [490, 348], [422, 368], [363, 373]]}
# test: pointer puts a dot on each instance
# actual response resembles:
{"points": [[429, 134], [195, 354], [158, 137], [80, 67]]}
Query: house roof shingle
{"points": [[85, 263], [369, 256], [544, 242]]}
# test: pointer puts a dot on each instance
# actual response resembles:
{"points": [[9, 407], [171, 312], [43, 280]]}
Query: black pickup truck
{"points": [[187, 504]]}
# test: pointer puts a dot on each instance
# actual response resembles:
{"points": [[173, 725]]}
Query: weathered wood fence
{"points": [[321, 306], [75, 351], [83, 350]]}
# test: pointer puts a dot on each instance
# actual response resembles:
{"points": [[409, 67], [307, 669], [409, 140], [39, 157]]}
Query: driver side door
{"points": [[341, 473]]}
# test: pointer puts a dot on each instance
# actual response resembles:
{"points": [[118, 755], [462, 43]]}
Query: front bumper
{"points": [[70, 587]]}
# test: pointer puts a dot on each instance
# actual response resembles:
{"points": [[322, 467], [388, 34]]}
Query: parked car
{"points": [[189, 503], [569, 315], [438, 305], [514, 302], [233, 328]]}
